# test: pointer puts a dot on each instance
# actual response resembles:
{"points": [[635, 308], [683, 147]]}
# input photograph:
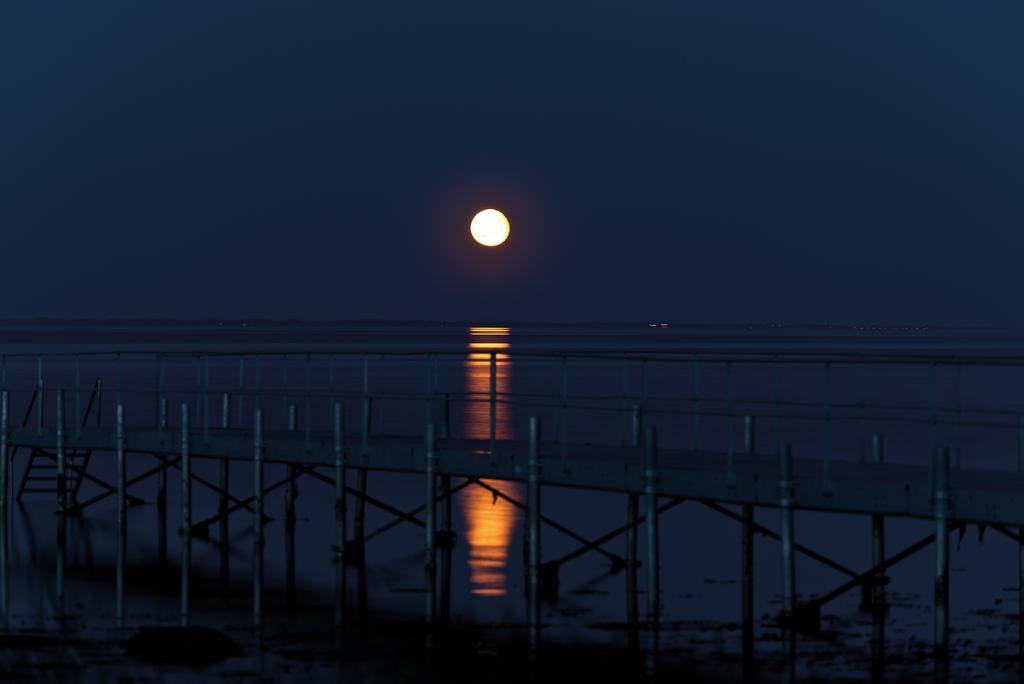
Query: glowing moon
{"points": [[490, 228]]}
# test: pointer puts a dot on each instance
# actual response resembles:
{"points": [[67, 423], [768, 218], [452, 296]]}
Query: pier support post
{"points": [[257, 520], [62, 473], [122, 517], [186, 516], [533, 530], [222, 502], [1020, 552], [340, 515], [653, 579], [747, 551], [359, 523], [632, 512], [941, 499], [5, 468], [429, 564], [290, 493], [161, 478], [636, 429], [447, 542], [62, 541], [786, 493], [651, 496], [877, 596]]}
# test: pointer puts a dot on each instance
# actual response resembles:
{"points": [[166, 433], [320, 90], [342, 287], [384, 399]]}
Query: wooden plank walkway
{"points": [[977, 496]]}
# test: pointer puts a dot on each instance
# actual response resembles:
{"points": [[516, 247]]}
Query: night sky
{"points": [[695, 161]]}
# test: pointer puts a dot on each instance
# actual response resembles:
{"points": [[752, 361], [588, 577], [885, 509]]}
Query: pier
{"points": [[756, 436]]}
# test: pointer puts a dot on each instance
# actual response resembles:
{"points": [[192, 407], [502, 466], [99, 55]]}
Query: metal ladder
{"points": [[40, 474]]}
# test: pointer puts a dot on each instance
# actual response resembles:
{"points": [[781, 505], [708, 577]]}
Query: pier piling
{"points": [[186, 517], [257, 520], [429, 564], [786, 493], [122, 517], [533, 530], [877, 595], [340, 515], [941, 501]]}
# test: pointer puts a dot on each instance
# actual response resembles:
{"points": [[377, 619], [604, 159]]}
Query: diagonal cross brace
{"points": [[605, 538], [78, 508], [810, 553], [616, 560], [201, 527], [878, 569], [399, 520]]}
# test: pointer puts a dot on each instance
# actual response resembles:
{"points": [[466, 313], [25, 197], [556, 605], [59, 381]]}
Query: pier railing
{"points": [[826, 404]]}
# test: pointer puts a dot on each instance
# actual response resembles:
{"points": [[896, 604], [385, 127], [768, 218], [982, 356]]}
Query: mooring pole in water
{"points": [[533, 527], [747, 548], [941, 499], [786, 493], [429, 566], [257, 520], [122, 516], [4, 501], [62, 473], [186, 516], [340, 515], [632, 513], [877, 534]]}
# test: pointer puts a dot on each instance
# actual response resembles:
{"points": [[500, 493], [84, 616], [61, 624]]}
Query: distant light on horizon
{"points": [[490, 228]]}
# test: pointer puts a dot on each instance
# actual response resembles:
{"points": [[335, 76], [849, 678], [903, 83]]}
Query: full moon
{"points": [[490, 228]]}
